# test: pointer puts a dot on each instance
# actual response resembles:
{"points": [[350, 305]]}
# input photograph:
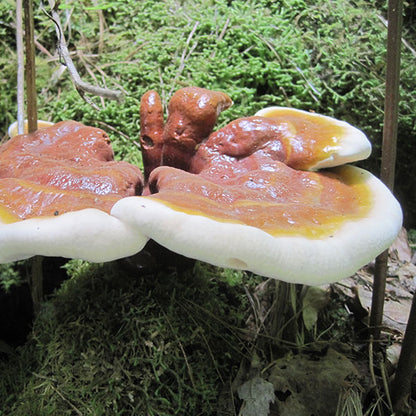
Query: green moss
{"points": [[111, 343]]}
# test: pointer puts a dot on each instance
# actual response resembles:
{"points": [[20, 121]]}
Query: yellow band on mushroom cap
{"points": [[309, 204], [7, 217]]}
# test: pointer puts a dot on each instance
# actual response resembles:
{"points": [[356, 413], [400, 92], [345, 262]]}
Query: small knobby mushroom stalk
{"points": [[192, 114]]}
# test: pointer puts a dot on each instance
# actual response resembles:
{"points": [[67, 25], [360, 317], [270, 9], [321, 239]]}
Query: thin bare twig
{"points": [[92, 75], [73, 407], [14, 26], [389, 148], [30, 67], [185, 55], [52, 385], [373, 375], [81, 86], [404, 41], [102, 28], [112, 128], [221, 35], [384, 377], [20, 68], [402, 383]]}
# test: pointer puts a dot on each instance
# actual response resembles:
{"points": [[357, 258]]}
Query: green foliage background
{"points": [[326, 56]]}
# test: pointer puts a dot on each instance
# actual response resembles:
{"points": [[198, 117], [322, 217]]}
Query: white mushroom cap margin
{"points": [[352, 146], [88, 234], [292, 259]]}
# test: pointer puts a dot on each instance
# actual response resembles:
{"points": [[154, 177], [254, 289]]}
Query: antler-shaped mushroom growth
{"points": [[250, 199], [193, 113], [57, 187]]}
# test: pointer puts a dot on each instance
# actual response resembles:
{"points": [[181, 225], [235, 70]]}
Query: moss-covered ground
{"points": [[114, 342]]}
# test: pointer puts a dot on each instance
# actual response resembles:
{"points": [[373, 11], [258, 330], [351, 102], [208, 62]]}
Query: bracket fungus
{"points": [[57, 187], [270, 193], [252, 200]]}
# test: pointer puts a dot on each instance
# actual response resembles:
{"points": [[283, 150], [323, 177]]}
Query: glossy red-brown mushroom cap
{"points": [[63, 168], [57, 187], [245, 204], [315, 237], [318, 141]]}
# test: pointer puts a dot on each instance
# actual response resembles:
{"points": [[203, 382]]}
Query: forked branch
{"points": [[81, 86]]}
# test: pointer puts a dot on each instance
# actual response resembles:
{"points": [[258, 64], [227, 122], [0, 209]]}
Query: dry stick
{"points": [[20, 68], [379, 289], [81, 86], [401, 386], [388, 159], [52, 385], [92, 75], [384, 377], [36, 278], [36, 283], [221, 35], [185, 56], [32, 109], [373, 375], [102, 28]]}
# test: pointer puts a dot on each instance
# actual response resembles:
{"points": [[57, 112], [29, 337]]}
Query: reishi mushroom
{"points": [[319, 141], [57, 187], [310, 244], [246, 204], [263, 193]]}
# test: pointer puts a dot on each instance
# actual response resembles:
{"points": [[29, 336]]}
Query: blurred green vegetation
{"points": [[9, 277]]}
